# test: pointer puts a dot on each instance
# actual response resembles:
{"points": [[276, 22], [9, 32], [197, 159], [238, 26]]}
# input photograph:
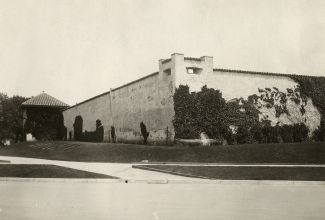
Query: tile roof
{"points": [[44, 100]]}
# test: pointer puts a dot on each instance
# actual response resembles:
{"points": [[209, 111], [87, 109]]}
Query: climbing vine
{"points": [[314, 87], [207, 111]]}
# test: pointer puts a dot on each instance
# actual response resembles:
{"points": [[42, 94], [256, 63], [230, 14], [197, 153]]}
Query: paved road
{"points": [[226, 200]]}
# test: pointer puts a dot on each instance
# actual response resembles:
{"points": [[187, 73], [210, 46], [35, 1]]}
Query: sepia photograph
{"points": [[162, 109]]}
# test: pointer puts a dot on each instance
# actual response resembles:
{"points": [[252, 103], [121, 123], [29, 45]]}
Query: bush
{"points": [[94, 136], [300, 132], [243, 136], [198, 112], [287, 133]]}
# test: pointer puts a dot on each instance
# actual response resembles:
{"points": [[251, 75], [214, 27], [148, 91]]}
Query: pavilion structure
{"points": [[43, 119]]}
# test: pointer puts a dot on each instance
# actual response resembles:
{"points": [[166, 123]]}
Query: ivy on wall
{"points": [[207, 111], [314, 87]]}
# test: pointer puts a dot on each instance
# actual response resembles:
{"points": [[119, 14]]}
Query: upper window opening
{"points": [[193, 70], [167, 71]]}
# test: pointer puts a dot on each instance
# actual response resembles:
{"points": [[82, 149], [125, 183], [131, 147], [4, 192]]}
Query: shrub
{"points": [[198, 112], [287, 133], [300, 132], [185, 113]]}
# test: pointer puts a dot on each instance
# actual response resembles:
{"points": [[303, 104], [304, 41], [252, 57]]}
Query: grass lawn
{"points": [[242, 173], [46, 171], [305, 153]]}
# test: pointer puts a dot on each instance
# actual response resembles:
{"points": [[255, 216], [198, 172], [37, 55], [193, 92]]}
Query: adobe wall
{"points": [[90, 111], [241, 85], [150, 99], [146, 100], [234, 84]]}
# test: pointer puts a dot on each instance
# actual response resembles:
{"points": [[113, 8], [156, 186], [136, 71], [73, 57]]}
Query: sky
{"points": [[77, 49]]}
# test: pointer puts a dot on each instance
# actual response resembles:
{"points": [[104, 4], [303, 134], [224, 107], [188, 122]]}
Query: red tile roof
{"points": [[44, 100]]}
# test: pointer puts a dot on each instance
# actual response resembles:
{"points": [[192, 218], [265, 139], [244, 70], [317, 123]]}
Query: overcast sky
{"points": [[76, 49]]}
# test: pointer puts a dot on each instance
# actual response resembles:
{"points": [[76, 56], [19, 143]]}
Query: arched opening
{"points": [[77, 127]]}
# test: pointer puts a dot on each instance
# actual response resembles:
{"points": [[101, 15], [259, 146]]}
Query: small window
{"points": [[190, 71], [193, 70], [167, 72]]}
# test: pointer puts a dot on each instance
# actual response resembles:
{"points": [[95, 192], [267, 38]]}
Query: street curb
{"points": [[230, 164], [169, 172], [59, 180], [164, 181], [212, 180]]}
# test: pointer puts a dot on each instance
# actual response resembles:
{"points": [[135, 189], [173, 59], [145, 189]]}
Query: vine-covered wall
{"points": [[270, 116], [286, 107], [314, 87]]}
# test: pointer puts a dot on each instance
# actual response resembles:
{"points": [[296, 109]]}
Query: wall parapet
{"points": [[262, 73], [166, 61], [192, 58]]}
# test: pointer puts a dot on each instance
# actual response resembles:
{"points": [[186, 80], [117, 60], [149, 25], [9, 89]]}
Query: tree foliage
{"points": [[198, 112], [44, 123], [11, 123]]}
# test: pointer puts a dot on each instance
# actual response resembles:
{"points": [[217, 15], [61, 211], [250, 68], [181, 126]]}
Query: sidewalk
{"points": [[127, 174], [120, 170]]}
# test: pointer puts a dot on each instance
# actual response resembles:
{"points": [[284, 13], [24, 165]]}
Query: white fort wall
{"points": [[126, 107], [90, 111], [150, 99], [240, 84]]}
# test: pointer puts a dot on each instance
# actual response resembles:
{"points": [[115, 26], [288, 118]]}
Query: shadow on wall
{"points": [[87, 136]]}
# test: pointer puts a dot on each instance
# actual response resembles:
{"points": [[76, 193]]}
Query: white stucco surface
{"points": [[242, 85], [150, 99]]}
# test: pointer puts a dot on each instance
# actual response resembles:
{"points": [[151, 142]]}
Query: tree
{"points": [[198, 112], [11, 125]]}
